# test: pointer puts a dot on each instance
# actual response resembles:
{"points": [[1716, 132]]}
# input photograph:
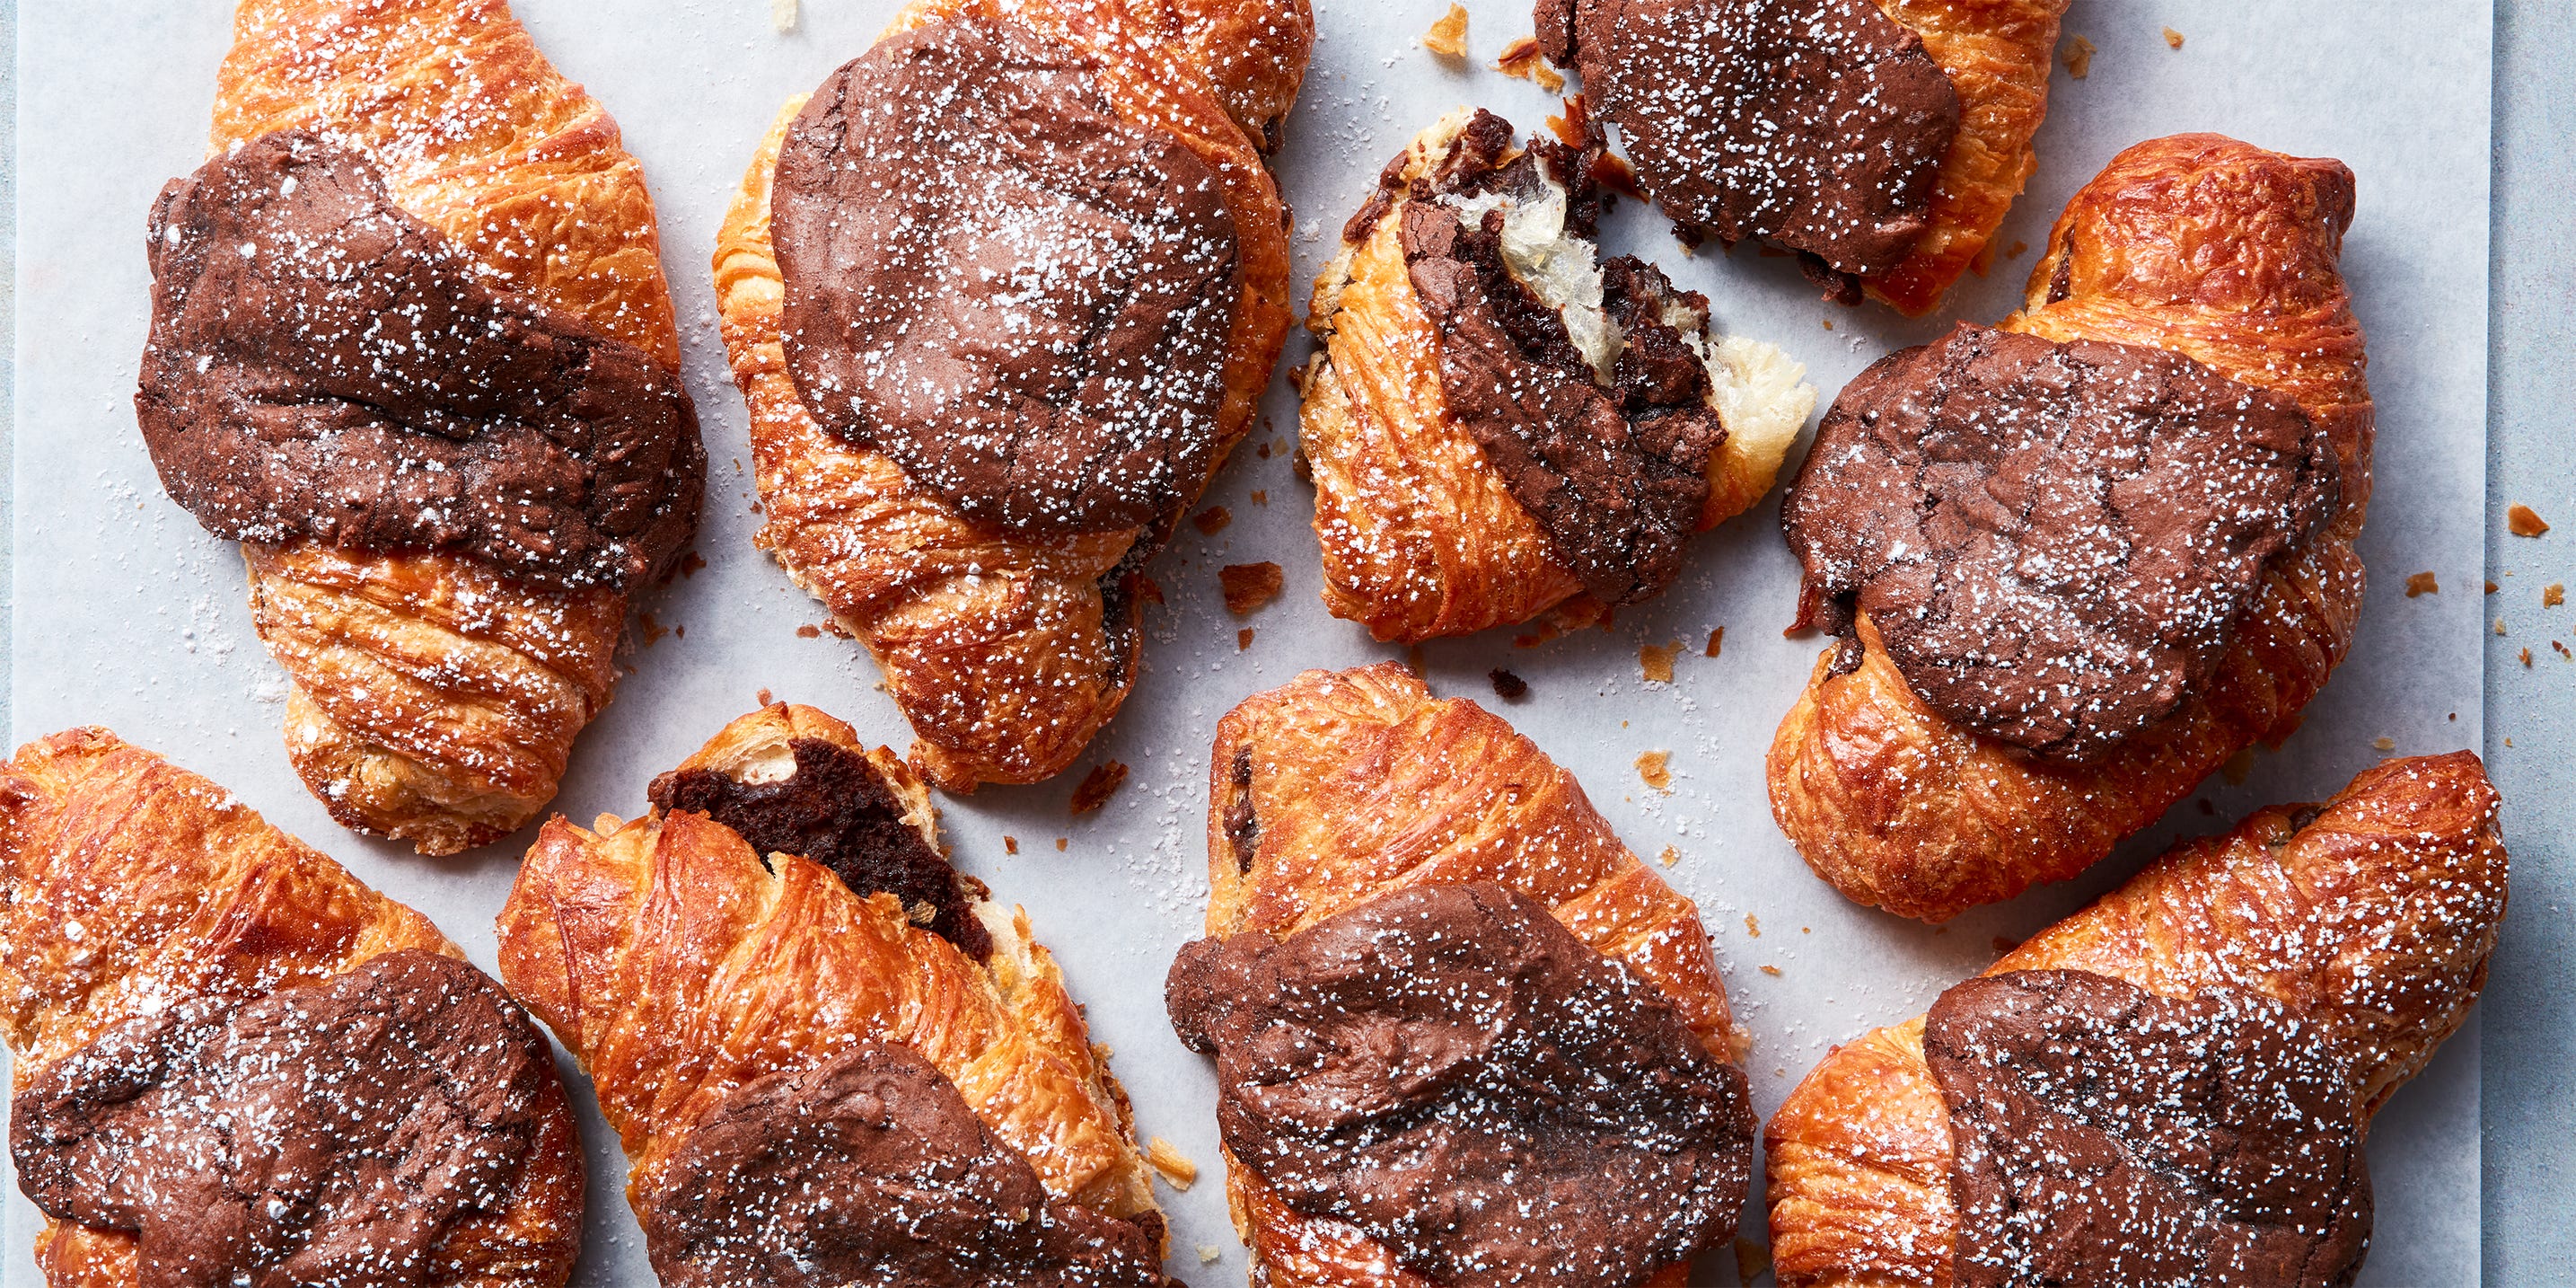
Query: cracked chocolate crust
{"points": [[324, 366]]}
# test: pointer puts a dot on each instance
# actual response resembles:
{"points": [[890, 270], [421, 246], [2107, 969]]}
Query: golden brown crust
{"points": [[2206, 247], [1361, 783], [482, 139], [1998, 55], [128, 883], [2374, 919], [1004, 654], [1421, 536], [676, 967]]}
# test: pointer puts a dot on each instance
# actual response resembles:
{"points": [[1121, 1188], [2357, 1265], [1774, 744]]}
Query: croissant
{"points": [[2198, 246], [699, 976], [1000, 601], [137, 892], [1350, 791], [1444, 511], [2367, 920], [1883, 140], [435, 696]]}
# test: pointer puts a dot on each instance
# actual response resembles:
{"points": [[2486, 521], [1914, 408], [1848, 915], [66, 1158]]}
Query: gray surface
{"points": [[2529, 1027], [2530, 1024]]}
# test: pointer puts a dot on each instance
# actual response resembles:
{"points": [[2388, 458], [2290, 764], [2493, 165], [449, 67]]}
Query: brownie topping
{"points": [[871, 1172], [324, 366], [2055, 541], [838, 811], [2105, 1135], [1020, 297], [1819, 124], [1454, 1073], [333, 1134], [1610, 463]]}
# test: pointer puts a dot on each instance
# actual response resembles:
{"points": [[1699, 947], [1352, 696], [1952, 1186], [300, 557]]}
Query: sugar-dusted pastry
{"points": [[831, 1058], [235, 1064], [2080, 559], [411, 345], [1497, 420], [1001, 294], [1881, 140], [2171, 1086], [1462, 1035]]}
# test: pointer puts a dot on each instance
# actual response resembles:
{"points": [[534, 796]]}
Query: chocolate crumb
{"points": [[1507, 686]]}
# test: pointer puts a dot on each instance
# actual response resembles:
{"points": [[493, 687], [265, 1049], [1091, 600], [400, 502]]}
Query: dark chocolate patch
{"points": [[336, 1133], [1242, 824], [2055, 541], [2105, 1135], [871, 1172], [1613, 470], [838, 811], [324, 366], [1818, 124], [1022, 298], [1449, 1070]]}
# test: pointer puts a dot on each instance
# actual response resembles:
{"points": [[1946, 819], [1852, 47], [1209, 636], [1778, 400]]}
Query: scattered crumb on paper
{"points": [[1657, 660], [2079, 57], [1752, 926], [2422, 583], [1521, 58], [1507, 686], [2553, 594], [782, 15], [1669, 857], [1243, 639], [1448, 37], [1248, 586], [1098, 786], [1176, 1168], [1653, 766], [2522, 521], [1716, 639], [2173, 38], [2383, 743], [1211, 520]]}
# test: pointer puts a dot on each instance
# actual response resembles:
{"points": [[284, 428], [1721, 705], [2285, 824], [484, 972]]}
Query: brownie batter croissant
{"points": [[831, 1058], [412, 346], [1881, 140], [1462, 1035], [1001, 295], [235, 1064], [2080, 560], [1498, 421], [2171, 1086]]}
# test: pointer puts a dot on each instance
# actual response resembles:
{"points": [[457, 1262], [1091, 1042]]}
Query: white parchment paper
{"points": [[126, 614]]}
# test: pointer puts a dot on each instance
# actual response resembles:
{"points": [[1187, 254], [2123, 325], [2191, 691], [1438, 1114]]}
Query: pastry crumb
{"points": [[1771, 970], [762, 698], [1752, 926], [2553, 594], [2384, 743], [1211, 520], [2491, 588], [782, 15], [1716, 638], [1261, 450], [1010, 845], [1669, 857], [1751, 1259], [1210, 1254], [691, 563], [2523, 521], [2017, 248], [2562, 650], [1249, 586], [1243, 639], [2239, 766], [2173, 38], [1522, 58], [2004, 945], [1657, 660], [2079, 57], [1507, 686], [2499, 626], [1261, 496], [1097, 787], [1175, 1167], [1655, 768], [1448, 37], [2422, 583], [1060, 843], [2526, 659], [809, 631], [653, 630]]}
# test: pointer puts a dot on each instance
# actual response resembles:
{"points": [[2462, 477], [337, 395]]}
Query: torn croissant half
{"points": [[233, 1062], [1498, 421], [440, 405], [788, 1000], [1530, 1071], [2172, 1085]]}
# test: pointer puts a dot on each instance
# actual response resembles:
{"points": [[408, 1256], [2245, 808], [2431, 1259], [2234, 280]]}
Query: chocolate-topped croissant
{"points": [[1462, 1035], [831, 1058], [2079, 560], [236, 1064], [412, 346], [1883, 141], [1001, 294], [1497, 420], [2171, 1086]]}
